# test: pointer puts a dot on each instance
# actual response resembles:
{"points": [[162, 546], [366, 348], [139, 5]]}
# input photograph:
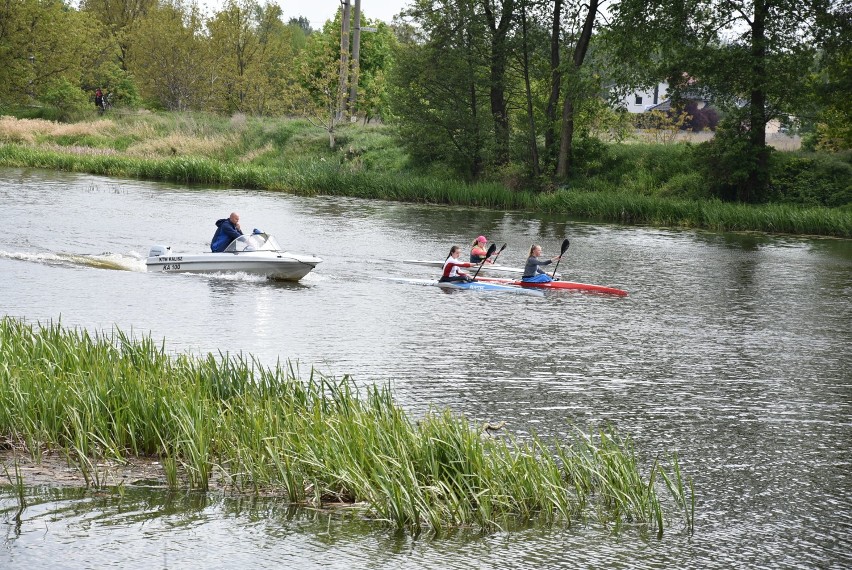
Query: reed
{"points": [[17, 484], [317, 440], [622, 196]]}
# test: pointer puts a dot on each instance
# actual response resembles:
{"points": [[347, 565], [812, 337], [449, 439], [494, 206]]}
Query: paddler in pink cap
{"points": [[478, 252]]}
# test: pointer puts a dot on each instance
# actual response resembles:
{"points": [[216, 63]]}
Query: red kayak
{"points": [[557, 285]]}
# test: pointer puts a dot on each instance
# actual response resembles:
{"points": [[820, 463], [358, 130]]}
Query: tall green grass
{"points": [[319, 440], [311, 177]]}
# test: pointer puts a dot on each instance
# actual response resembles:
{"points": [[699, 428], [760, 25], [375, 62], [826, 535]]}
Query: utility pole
{"points": [[344, 58], [356, 52]]}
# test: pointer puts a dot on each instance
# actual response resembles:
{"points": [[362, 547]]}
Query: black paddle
{"points": [[493, 261], [487, 255], [565, 243]]}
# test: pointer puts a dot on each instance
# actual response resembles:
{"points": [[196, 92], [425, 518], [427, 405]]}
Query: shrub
{"points": [[69, 100], [590, 155], [700, 119], [691, 185], [727, 160], [811, 180]]}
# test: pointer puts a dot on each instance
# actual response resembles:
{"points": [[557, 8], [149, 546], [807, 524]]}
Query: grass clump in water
{"points": [[315, 441]]}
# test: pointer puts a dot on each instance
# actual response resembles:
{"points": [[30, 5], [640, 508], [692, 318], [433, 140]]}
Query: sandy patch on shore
{"points": [[54, 469]]}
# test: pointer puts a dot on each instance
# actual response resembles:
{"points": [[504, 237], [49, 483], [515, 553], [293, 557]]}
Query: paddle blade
{"points": [[493, 261], [491, 250], [565, 244]]}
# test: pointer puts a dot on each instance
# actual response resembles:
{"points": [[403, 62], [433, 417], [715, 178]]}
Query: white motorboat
{"points": [[255, 254]]}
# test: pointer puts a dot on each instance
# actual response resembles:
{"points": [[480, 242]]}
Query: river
{"points": [[732, 350]]}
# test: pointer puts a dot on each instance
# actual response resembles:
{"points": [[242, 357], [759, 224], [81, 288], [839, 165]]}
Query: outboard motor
{"points": [[158, 250]]}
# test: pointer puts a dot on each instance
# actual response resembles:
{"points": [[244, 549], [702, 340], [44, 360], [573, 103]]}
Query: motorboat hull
{"points": [[281, 266]]}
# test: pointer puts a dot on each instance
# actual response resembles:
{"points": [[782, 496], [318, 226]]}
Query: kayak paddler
{"points": [[478, 253], [451, 273], [533, 273]]}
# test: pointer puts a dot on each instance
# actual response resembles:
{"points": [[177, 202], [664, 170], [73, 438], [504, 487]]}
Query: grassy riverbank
{"points": [[314, 441], [634, 183]]}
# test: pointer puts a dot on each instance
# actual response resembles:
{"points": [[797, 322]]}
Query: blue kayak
{"points": [[480, 286], [474, 286]]}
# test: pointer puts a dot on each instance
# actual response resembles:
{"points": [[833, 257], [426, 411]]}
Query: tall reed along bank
{"points": [[316, 441], [638, 183]]}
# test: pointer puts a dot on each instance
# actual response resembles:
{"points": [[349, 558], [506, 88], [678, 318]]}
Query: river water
{"points": [[732, 350]]}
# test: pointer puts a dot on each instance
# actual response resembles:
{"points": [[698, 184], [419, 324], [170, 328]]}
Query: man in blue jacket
{"points": [[227, 230]]}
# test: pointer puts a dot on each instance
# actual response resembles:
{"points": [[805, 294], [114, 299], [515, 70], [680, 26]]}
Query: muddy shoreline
{"points": [[54, 469]]}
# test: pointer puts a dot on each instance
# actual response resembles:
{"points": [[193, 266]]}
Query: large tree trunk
{"points": [[476, 163], [342, 89], [555, 86], [497, 91], [530, 116], [563, 166], [758, 177]]}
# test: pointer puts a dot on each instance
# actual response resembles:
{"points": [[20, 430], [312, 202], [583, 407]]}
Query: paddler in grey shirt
{"points": [[533, 272]]}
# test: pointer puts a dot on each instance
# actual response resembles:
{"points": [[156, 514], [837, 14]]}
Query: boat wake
{"points": [[115, 261], [239, 277]]}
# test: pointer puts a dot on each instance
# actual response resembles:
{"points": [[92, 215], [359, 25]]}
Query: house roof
{"points": [[664, 105], [691, 95]]}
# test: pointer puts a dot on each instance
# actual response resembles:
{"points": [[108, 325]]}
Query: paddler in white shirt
{"points": [[451, 273]]}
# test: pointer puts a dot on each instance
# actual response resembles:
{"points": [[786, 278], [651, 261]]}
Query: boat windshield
{"points": [[253, 242]]}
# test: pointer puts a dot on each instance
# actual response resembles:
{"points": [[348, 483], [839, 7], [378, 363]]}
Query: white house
{"points": [[640, 101]]}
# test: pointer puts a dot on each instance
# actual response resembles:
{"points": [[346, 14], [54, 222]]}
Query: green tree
{"points": [[171, 58], [440, 87], [299, 31], [45, 47], [376, 63], [749, 54], [498, 26], [319, 80], [302, 23], [319, 66], [276, 75], [253, 53], [576, 89], [239, 54], [118, 16], [831, 82]]}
